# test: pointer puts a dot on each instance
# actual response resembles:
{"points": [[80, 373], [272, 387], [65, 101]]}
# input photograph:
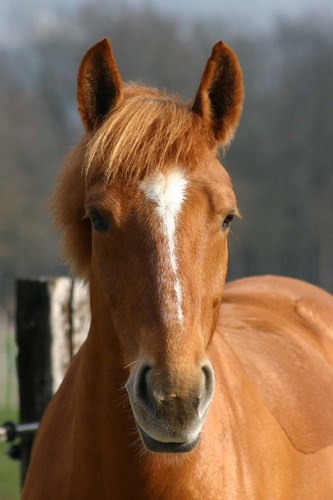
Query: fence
{"points": [[53, 318], [8, 379]]}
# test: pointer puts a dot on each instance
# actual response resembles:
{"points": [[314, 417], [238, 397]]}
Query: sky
{"points": [[261, 12], [247, 15]]}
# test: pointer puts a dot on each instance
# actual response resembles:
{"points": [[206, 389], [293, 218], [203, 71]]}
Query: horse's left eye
{"points": [[98, 222], [227, 221]]}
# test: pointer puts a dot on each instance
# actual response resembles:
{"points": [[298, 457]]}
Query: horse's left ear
{"points": [[219, 98], [99, 85]]}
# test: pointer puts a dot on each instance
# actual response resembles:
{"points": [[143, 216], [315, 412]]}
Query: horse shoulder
{"points": [[282, 331]]}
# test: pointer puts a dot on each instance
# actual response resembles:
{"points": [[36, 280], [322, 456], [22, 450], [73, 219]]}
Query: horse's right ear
{"points": [[99, 86]]}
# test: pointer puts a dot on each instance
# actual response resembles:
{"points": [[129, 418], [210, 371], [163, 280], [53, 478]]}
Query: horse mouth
{"points": [[155, 446]]}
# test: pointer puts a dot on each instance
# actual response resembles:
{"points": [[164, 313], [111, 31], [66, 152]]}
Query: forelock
{"points": [[144, 134]]}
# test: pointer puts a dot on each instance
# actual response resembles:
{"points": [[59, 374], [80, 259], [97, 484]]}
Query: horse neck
{"points": [[102, 415], [102, 374]]}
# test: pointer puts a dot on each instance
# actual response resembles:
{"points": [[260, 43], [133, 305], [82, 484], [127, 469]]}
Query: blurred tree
{"points": [[280, 162], [285, 142]]}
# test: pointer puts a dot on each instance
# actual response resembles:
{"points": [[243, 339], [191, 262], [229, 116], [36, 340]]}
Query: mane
{"points": [[143, 134]]}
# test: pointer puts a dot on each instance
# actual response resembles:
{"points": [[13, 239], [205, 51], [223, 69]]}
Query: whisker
{"points": [[130, 364]]}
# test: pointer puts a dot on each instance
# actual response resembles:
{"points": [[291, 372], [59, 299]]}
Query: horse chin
{"points": [[156, 446]]}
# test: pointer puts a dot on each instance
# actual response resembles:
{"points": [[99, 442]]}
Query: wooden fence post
{"points": [[52, 322]]}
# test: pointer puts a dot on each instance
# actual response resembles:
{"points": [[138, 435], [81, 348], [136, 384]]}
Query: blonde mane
{"points": [[143, 134]]}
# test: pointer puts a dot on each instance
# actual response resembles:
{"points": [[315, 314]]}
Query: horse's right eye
{"points": [[98, 221]]}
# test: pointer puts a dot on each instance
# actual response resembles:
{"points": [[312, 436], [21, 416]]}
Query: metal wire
{"points": [[9, 431]]}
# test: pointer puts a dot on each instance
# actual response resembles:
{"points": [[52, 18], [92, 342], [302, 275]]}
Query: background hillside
{"points": [[280, 162]]}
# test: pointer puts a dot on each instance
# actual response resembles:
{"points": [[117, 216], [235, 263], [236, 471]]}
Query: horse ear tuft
{"points": [[99, 85], [219, 99]]}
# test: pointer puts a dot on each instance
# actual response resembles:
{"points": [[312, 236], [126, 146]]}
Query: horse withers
{"points": [[173, 395]]}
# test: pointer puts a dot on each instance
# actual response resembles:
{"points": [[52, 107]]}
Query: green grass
{"points": [[9, 469]]}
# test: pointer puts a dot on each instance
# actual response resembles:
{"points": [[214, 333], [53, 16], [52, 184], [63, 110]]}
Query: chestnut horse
{"points": [[173, 396]]}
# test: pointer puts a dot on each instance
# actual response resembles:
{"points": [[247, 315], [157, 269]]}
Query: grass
{"points": [[9, 469]]}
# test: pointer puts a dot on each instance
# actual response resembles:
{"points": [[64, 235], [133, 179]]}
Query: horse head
{"points": [[146, 209]]}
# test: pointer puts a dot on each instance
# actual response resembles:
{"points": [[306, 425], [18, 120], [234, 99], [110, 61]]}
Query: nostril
{"points": [[207, 394], [209, 376], [142, 383], [142, 389]]}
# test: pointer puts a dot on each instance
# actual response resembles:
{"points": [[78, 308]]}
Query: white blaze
{"points": [[167, 193]]}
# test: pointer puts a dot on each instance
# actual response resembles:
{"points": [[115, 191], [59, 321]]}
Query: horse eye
{"points": [[227, 221], [98, 222]]}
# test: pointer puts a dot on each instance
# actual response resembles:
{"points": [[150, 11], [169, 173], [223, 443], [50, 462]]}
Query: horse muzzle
{"points": [[170, 410]]}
